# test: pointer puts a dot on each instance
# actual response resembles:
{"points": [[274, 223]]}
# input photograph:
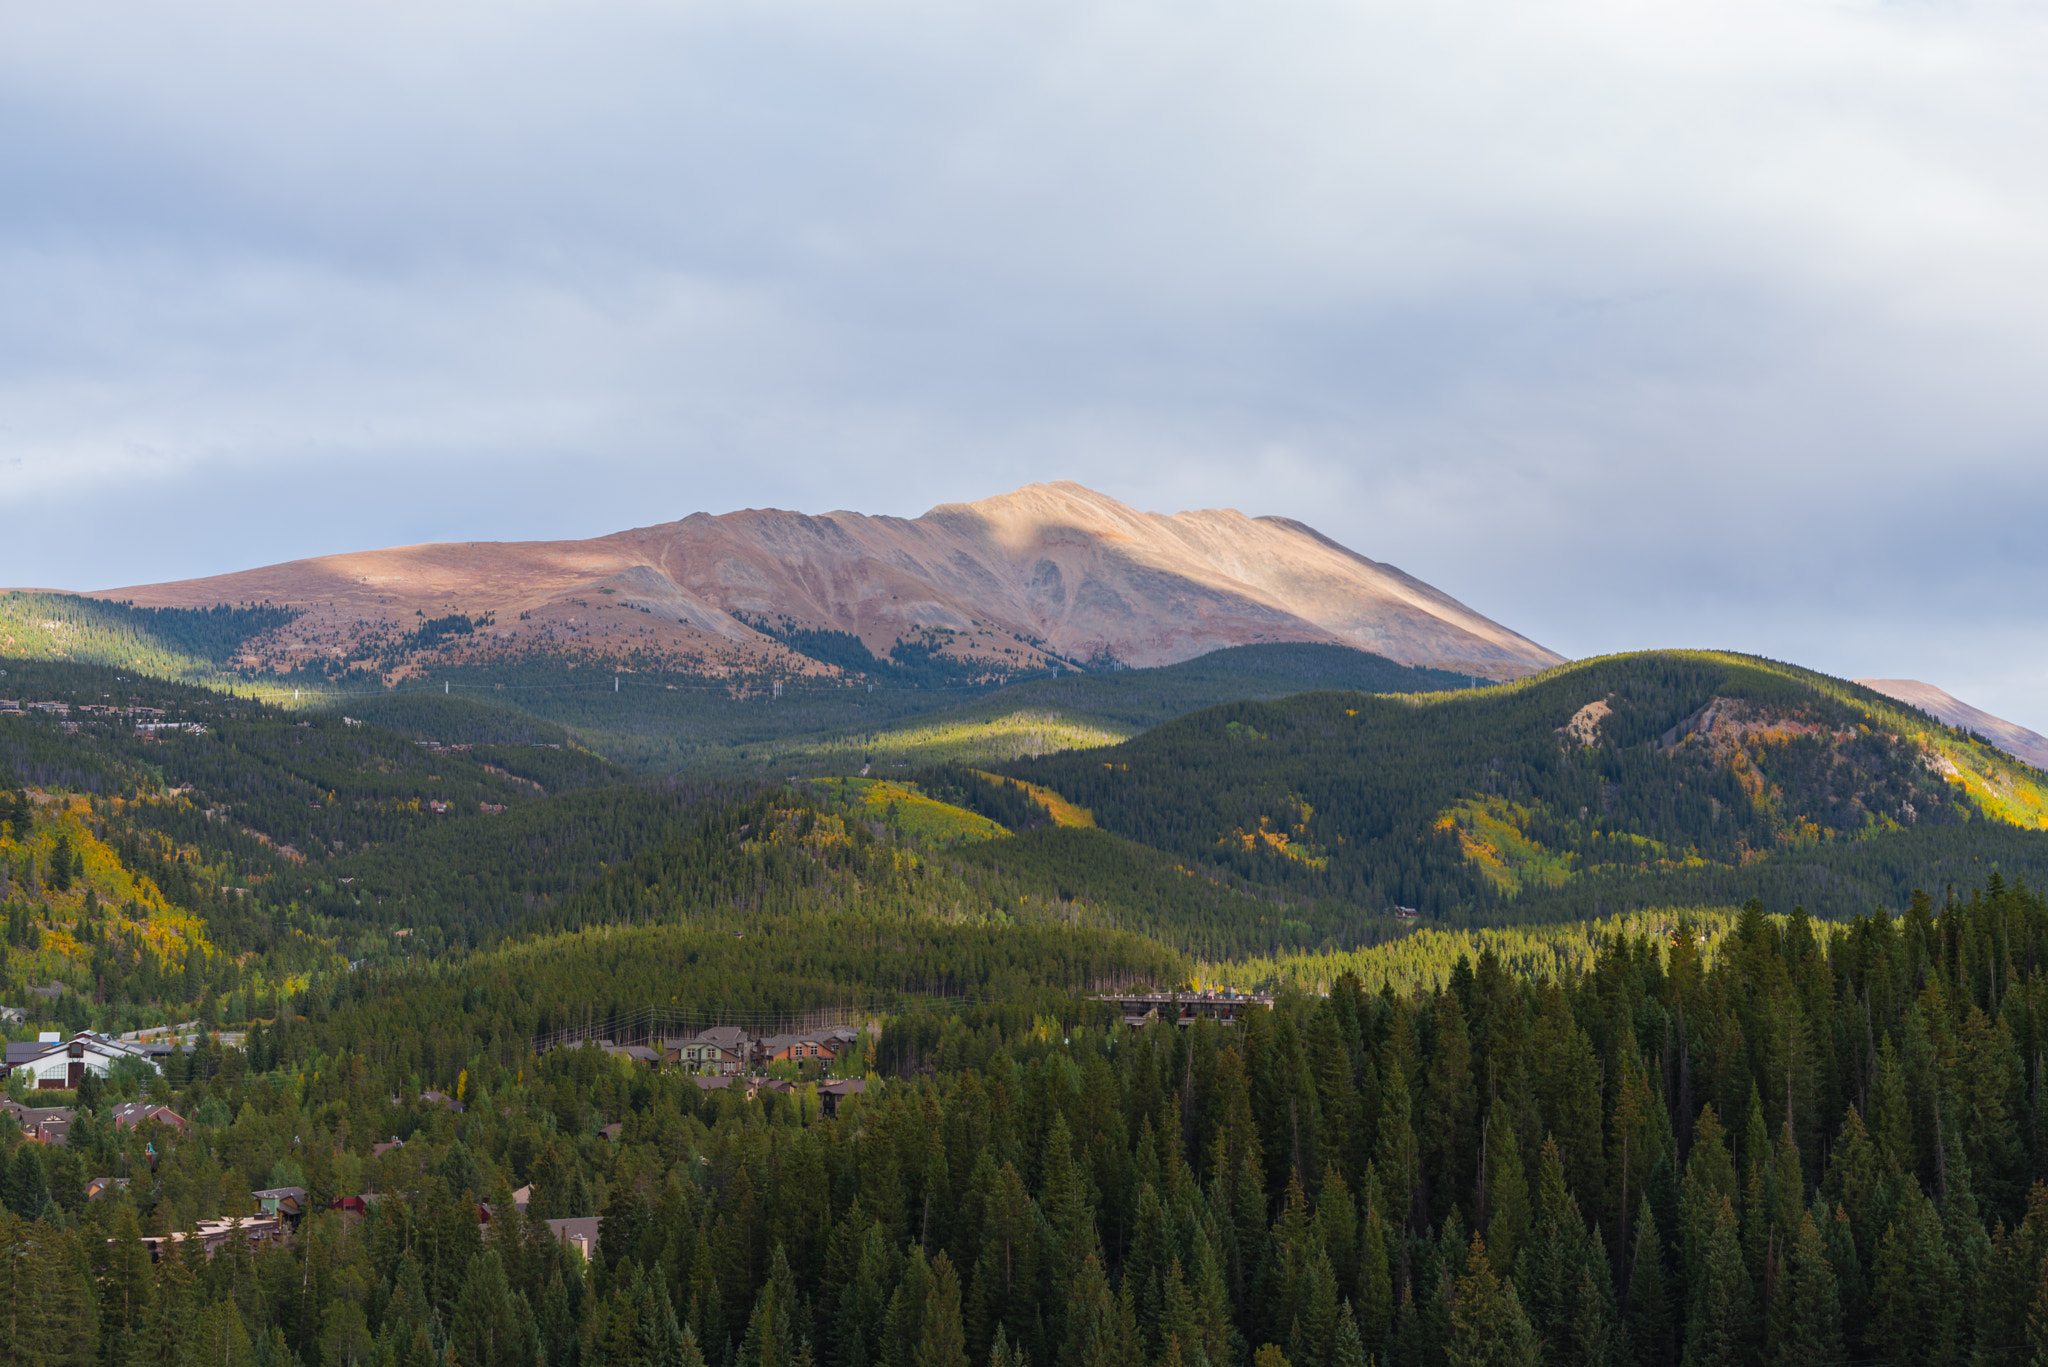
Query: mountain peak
{"points": [[1048, 572]]}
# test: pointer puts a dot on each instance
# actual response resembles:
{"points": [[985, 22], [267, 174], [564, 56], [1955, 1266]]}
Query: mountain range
{"points": [[1050, 574]]}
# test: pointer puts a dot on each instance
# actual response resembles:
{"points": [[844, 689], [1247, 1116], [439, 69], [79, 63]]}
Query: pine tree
{"points": [[1091, 1319], [864, 1301], [1375, 1278], [1853, 1169], [1397, 1156], [28, 1186], [1450, 1107], [1337, 1229], [1488, 1327], [22, 1296], [1347, 1349], [661, 1337], [1891, 1120], [1652, 1342], [903, 1327], [1563, 1269], [1212, 1306], [481, 1332], [1914, 1291], [126, 1290], [220, 1339], [72, 1317], [1002, 1355], [1721, 1321], [942, 1342], [1507, 1191], [1314, 1329], [1813, 1325]]}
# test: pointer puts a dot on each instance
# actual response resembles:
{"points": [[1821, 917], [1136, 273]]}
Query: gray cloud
{"points": [[1631, 326]]}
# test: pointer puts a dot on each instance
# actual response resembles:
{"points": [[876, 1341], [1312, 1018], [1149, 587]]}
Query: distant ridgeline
{"points": [[647, 710], [191, 644], [1671, 778]]}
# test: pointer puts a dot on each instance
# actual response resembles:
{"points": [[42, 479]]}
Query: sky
{"points": [[1629, 324]]}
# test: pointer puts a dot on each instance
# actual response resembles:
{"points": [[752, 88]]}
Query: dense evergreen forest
{"points": [[1814, 1148], [1724, 1135]]}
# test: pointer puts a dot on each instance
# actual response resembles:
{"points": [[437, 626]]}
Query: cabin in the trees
{"points": [[131, 1114], [832, 1093], [580, 1234], [45, 1125], [286, 1203]]}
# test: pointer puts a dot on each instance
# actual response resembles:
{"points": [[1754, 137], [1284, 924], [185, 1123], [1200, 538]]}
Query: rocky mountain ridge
{"points": [[1048, 574], [1944, 707]]}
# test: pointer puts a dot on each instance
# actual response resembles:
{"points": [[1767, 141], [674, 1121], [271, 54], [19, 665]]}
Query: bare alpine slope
{"points": [[1051, 570], [1944, 707]]}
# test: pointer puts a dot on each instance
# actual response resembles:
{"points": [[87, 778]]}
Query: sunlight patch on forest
{"points": [[1493, 834]]}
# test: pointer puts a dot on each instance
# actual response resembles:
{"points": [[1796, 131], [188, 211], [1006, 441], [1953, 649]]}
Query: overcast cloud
{"points": [[1630, 324]]}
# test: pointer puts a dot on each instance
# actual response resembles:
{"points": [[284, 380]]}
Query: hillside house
{"points": [[832, 1093], [131, 1114], [45, 1125], [813, 1046], [579, 1234], [723, 1050], [289, 1204]]}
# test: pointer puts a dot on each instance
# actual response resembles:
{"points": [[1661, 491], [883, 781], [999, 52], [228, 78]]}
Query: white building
{"points": [[53, 1062]]}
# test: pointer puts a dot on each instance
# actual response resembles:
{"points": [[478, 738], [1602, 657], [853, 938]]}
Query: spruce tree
{"points": [[1347, 1348], [1812, 1329], [1507, 1191], [942, 1342], [1720, 1326], [1091, 1319], [1913, 1286], [1450, 1106], [1488, 1327], [1396, 1156], [1375, 1279], [1651, 1338]]}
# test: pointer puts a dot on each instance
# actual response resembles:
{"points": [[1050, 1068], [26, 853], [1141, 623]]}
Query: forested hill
{"points": [[1628, 781]]}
